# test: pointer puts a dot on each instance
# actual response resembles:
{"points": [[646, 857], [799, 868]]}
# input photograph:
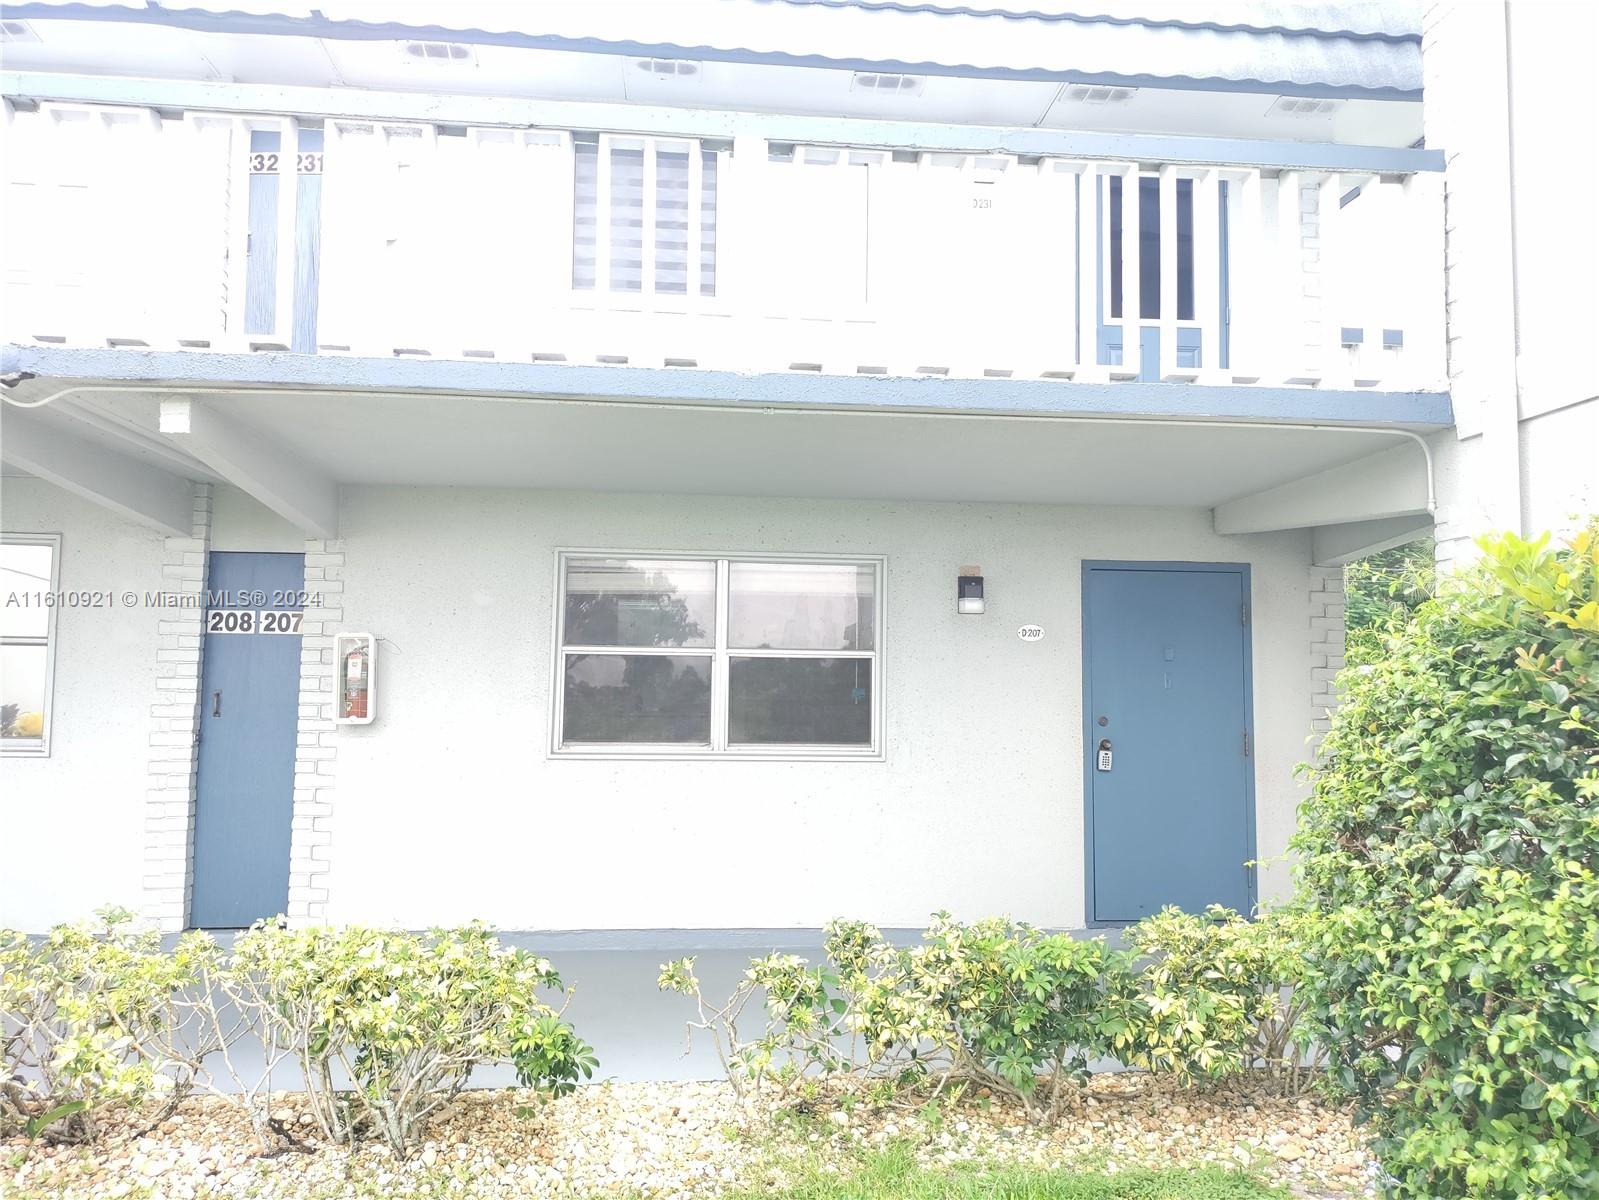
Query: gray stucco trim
{"points": [[1309, 406]]}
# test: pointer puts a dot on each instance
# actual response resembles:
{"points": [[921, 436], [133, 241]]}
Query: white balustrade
{"points": [[130, 228]]}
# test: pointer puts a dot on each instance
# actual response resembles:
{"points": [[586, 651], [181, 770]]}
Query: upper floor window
{"points": [[1149, 247], [719, 656], [28, 573], [644, 215]]}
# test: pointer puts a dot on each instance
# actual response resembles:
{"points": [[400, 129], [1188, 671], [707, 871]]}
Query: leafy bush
{"points": [[404, 1017], [996, 1003], [98, 1017], [1450, 842], [1217, 994], [1004, 1001], [88, 1023], [803, 1035], [1382, 592]]}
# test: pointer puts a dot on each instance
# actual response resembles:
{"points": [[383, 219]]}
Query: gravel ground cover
{"points": [[698, 1139]]}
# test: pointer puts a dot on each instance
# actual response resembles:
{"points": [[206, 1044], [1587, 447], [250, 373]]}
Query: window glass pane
{"points": [[627, 218], [800, 701], [800, 606], [1149, 249], [708, 166], [1185, 249], [1115, 188], [637, 698], [24, 571], [640, 602], [585, 182], [22, 670], [671, 222]]}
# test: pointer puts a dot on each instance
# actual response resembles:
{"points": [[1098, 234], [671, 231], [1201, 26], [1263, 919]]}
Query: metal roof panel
{"points": [[1369, 47]]}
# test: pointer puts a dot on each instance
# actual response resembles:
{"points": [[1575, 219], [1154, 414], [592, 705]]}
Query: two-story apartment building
{"points": [[698, 466]]}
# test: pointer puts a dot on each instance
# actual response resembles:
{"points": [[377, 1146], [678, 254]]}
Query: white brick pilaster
{"points": [[174, 721], [1326, 644], [316, 746]]}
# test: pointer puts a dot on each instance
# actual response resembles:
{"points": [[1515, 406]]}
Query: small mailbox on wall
{"points": [[356, 656]]}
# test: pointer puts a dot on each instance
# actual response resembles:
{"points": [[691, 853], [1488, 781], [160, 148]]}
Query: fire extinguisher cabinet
{"points": [[356, 660]]}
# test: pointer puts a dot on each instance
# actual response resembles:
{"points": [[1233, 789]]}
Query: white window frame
{"points": [[40, 748], [719, 653]]}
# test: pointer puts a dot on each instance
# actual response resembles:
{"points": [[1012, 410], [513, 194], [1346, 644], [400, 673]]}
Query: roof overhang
{"points": [[1217, 69], [291, 442]]}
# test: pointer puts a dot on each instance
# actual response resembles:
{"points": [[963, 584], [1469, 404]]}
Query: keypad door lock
{"points": [[1102, 758]]}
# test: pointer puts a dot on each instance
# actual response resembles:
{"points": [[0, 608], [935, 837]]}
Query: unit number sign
{"points": [[266, 163], [253, 620]]}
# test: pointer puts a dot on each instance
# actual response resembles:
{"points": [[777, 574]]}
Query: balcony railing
{"points": [[235, 232]]}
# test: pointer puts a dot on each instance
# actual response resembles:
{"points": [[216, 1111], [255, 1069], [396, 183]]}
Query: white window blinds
{"points": [[643, 216]]}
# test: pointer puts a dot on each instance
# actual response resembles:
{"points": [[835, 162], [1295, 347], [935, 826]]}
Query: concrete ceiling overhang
{"points": [[382, 437]]}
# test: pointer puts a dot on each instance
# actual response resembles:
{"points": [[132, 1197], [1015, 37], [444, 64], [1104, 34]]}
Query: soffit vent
{"points": [[1304, 106], [876, 81], [17, 31], [440, 54], [668, 68], [1089, 93]]}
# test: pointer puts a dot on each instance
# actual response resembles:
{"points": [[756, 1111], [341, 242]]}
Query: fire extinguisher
{"points": [[357, 682]]}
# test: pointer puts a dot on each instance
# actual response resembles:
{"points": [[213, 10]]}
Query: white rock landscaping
{"points": [[695, 1140]]}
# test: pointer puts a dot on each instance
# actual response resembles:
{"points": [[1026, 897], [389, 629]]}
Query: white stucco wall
{"points": [[241, 522], [449, 808], [73, 823], [1560, 469], [1523, 164]]}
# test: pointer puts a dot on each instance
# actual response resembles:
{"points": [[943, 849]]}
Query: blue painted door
{"points": [[1171, 820], [250, 683]]}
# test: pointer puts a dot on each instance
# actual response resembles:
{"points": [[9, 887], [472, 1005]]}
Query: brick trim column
{"points": [[1326, 644], [316, 745], [174, 722]]}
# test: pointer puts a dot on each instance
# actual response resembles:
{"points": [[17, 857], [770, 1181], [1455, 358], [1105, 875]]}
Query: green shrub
{"points": [[1006, 1002], [88, 1023], [1216, 994], [405, 1017], [997, 1003], [1450, 844], [98, 1017], [1382, 592]]}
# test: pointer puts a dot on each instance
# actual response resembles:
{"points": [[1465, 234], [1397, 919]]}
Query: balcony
{"points": [[135, 229]]}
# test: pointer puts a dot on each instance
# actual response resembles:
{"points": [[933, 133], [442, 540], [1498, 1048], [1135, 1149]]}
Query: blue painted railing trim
{"points": [[319, 26], [290, 100], [777, 390]]}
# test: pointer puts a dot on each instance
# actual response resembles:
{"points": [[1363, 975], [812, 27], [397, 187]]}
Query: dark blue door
{"points": [[249, 713], [1171, 821]]}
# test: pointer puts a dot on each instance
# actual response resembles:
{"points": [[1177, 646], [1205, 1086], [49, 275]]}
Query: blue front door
{"points": [[250, 683], [1167, 738]]}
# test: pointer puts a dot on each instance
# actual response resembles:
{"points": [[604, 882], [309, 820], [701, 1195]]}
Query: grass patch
{"points": [[894, 1175]]}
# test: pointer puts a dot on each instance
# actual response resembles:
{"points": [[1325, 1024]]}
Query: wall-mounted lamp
{"points": [[969, 591]]}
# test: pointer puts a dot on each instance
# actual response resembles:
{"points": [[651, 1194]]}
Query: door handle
{"points": [[216, 704], [1102, 757]]}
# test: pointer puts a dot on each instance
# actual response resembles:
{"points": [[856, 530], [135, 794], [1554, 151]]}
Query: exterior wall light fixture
{"points": [[969, 591]]}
